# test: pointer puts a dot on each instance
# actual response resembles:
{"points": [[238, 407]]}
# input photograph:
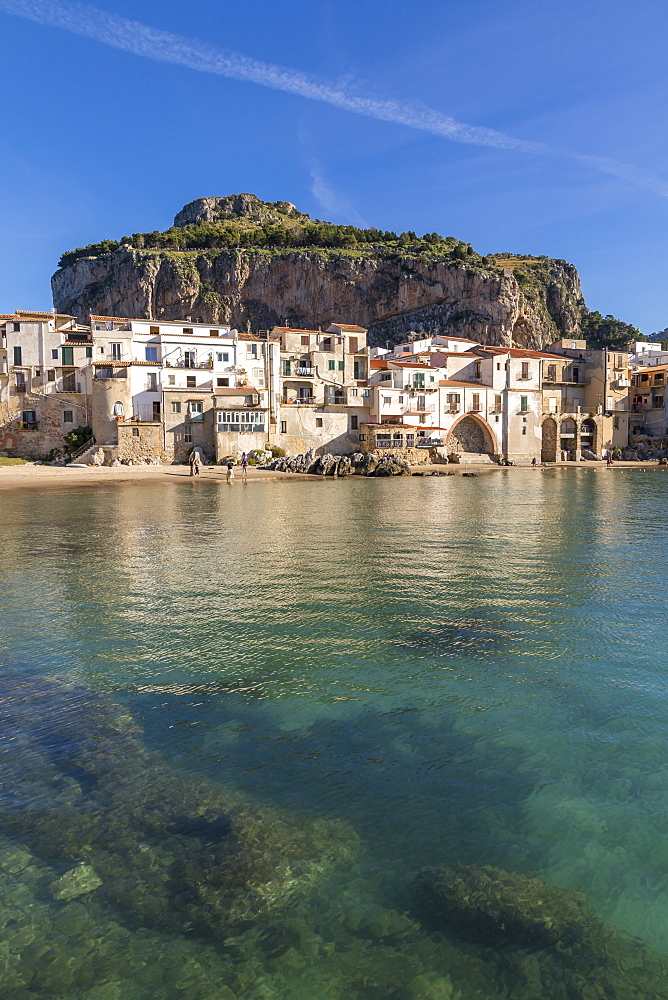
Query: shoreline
{"points": [[39, 476]]}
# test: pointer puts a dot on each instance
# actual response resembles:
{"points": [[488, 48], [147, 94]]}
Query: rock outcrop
{"points": [[389, 288], [546, 941]]}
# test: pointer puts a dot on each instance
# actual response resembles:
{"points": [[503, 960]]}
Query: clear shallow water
{"points": [[418, 673]]}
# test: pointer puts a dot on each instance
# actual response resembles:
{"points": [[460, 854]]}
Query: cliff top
{"points": [[245, 222]]}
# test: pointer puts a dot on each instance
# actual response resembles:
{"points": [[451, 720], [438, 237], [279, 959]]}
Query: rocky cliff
{"points": [[392, 286]]}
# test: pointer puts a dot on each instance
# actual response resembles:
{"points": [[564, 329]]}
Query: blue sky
{"points": [[100, 142]]}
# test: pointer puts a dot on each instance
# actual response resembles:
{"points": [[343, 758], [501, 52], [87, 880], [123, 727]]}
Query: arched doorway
{"points": [[588, 435], [471, 436], [568, 437], [548, 448]]}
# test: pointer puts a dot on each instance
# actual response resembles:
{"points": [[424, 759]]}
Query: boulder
{"points": [[547, 941]]}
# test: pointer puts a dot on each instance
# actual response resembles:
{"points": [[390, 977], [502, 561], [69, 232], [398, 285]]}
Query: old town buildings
{"points": [[153, 390]]}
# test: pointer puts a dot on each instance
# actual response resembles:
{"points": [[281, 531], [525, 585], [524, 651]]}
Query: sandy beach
{"points": [[46, 476]]}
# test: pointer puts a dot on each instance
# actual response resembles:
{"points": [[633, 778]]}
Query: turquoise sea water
{"points": [[388, 675]]}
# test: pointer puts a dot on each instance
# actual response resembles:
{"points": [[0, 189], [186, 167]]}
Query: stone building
{"points": [[324, 397], [45, 381]]}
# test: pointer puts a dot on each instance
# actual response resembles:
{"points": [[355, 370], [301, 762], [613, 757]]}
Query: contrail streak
{"points": [[163, 46]]}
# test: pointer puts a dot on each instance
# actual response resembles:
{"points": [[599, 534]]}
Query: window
{"points": [[226, 356], [189, 359], [353, 392], [116, 350], [619, 361], [214, 333], [497, 403], [30, 420], [353, 423], [188, 330], [187, 437], [353, 345], [362, 437], [135, 432], [551, 373], [51, 375], [284, 427], [476, 401], [401, 398], [17, 327], [223, 382], [576, 374], [68, 416], [17, 356], [387, 400], [171, 379], [287, 369], [68, 355], [318, 421], [191, 382], [251, 351], [615, 423], [153, 330], [524, 404], [305, 340], [176, 407], [525, 370], [327, 344], [105, 373], [524, 430], [151, 353], [365, 392], [418, 381], [341, 366], [152, 382], [195, 406], [498, 366], [657, 402], [478, 370], [331, 365], [54, 355], [356, 369]]}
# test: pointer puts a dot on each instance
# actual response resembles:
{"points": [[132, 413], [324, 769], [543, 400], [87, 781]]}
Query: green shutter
{"points": [[287, 365], [341, 366], [68, 355], [17, 356], [89, 352], [524, 404], [331, 365], [356, 369]]}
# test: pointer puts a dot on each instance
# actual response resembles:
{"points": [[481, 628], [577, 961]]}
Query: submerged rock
{"points": [[171, 850], [548, 940], [76, 882]]}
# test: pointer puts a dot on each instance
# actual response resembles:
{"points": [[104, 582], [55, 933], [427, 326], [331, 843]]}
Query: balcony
{"points": [[299, 401], [29, 425], [241, 428], [20, 388], [427, 408], [189, 364], [67, 385]]}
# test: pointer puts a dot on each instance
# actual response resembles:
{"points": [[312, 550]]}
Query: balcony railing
{"points": [[68, 386], [184, 363], [29, 425], [20, 387], [242, 428], [299, 400]]}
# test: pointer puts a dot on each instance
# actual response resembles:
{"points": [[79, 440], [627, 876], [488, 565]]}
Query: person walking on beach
{"points": [[194, 462], [534, 462], [608, 459], [244, 465], [230, 470]]}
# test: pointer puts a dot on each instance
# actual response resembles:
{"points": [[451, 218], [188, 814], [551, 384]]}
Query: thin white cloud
{"points": [[163, 46], [330, 200]]}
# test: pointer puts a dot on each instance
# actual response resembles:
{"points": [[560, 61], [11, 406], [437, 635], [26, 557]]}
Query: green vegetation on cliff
{"points": [[287, 234], [606, 331]]}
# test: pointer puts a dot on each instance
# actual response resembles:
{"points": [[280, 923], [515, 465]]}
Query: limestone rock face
{"points": [[391, 294]]}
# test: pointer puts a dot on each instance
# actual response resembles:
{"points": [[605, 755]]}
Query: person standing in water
{"points": [[194, 462], [230, 470], [244, 465]]}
